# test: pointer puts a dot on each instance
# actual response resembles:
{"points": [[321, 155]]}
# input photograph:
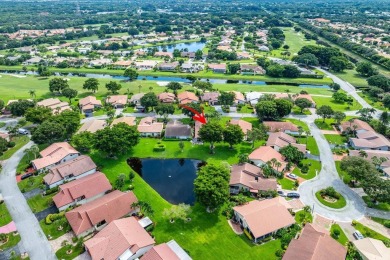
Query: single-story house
{"points": [[210, 97], [251, 69], [32, 61], [224, 48], [190, 67], [145, 64], [190, 55], [187, 97], [167, 251], [244, 125], [248, 177], [55, 154], [56, 105], [82, 191], [372, 249], [285, 127], [136, 100], [168, 66], [374, 153], [88, 104], [166, 97], [117, 101], [261, 219], [93, 126], [239, 98], [253, 97], [148, 126], [243, 55], [314, 242], [370, 140], [217, 68], [121, 239], [163, 54], [122, 64], [129, 120], [359, 126], [95, 215], [279, 140], [263, 154], [178, 130], [70, 170]]}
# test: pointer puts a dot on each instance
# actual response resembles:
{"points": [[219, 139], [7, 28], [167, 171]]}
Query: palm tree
{"points": [[278, 164], [307, 133], [243, 158], [144, 208], [150, 89], [300, 131], [351, 120], [32, 93], [363, 154], [139, 88], [273, 162]]}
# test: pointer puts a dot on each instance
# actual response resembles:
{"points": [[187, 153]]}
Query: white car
{"points": [[23, 131], [358, 235], [292, 176]]}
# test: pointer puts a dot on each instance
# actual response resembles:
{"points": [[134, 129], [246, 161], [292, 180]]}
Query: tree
{"points": [[120, 181], [303, 103], [149, 100], [243, 158], [291, 153], [340, 97], [307, 59], [211, 132], [379, 81], [83, 141], [48, 132], [377, 188], [335, 86], [32, 93], [132, 74], [181, 146], [118, 139], [325, 112], [357, 167], [366, 113], [33, 150], [211, 185], [275, 70], [291, 71], [91, 84], [386, 101], [257, 134], [267, 110], [284, 106], [195, 106], [338, 63], [339, 116], [144, 208], [20, 107], [43, 71], [233, 134], [366, 69], [226, 98], [69, 93], [163, 108], [38, 114], [174, 86], [180, 211], [202, 85], [233, 68], [70, 120], [58, 85], [198, 55], [113, 86]]}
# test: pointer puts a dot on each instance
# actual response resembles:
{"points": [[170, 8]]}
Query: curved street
{"points": [[33, 240]]}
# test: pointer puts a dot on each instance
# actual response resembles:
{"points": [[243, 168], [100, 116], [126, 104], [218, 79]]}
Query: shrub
{"points": [[387, 223], [131, 187], [51, 191], [48, 219], [225, 109], [11, 144], [304, 168], [336, 233], [279, 253], [159, 148], [354, 222]]}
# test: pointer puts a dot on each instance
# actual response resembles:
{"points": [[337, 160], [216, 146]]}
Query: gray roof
{"points": [[177, 128]]}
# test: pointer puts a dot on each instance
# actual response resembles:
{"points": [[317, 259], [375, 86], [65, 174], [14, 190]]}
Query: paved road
{"points": [[34, 241]]}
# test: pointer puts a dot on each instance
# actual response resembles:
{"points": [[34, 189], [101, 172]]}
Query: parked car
{"points": [[293, 195], [23, 131], [358, 235], [281, 193], [27, 175], [292, 176]]}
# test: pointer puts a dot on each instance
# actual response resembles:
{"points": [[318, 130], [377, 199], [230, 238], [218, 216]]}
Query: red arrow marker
{"points": [[198, 116]]}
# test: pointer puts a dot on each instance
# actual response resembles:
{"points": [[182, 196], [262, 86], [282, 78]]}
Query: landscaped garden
{"points": [[309, 171], [40, 202], [331, 198], [379, 205], [31, 183], [338, 234]]}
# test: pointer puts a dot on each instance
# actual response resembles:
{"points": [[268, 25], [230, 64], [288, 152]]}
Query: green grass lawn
{"points": [[342, 238], [327, 125], [62, 252], [5, 217], [336, 139], [373, 102], [340, 203], [381, 205], [31, 183], [311, 144], [20, 141], [368, 232], [298, 123], [52, 229], [352, 77], [287, 184], [39, 202], [381, 221], [315, 166], [297, 111], [302, 216], [321, 101], [13, 240], [23, 164], [343, 174]]}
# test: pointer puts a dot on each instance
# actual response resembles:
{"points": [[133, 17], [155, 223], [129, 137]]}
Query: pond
{"points": [[190, 46], [173, 179]]}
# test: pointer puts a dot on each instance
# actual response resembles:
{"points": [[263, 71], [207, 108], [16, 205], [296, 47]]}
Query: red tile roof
{"points": [[160, 252], [244, 125], [53, 154]]}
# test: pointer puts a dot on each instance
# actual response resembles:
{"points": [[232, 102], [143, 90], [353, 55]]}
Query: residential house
{"points": [[122, 64], [314, 242], [243, 55], [285, 127], [253, 97], [145, 64], [370, 140], [55, 154], [167, 251], [187, 97], [70, 170], [248, 177], [190, 67], [99, 63], [190, 55], [263, 154], [93, 125], [279, 140], [224, 48], [117, 101], [239, 98], [168, 66], [261, 219], [149, 127], [210, 97], [370, 154], [129, 120], [244, 125], [163, 54], [82, 191], [95, 215], [177, 130], [166, 97], [217, 68], [89, 104], [251, 69], [32, 61], [372, 249], [56, 105], [121, 239], [136, 101], [357, 125]]}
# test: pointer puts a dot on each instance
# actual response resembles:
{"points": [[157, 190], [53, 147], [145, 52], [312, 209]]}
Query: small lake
{"points": [[190, 46], [173, 179]]}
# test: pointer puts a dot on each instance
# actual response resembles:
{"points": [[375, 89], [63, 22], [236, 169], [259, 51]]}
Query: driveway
{"points": [[33, 240]]}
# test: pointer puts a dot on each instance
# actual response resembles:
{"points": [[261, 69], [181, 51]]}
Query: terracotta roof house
{"points": [[164, 54], [92, 126], [121, 239], [217, 68], [285, 127], [315, 243], [239, 98], [96, 214], [261, 219], [117, 101], [243, 55], [56, 105], [361, 126], [122, 64], [82, 191], [279, 140], [370, 140], [244, 125], [248, 177], [251, 69], [168, 66], [166, 97], [263, 154], [372, 153], [88, 104], [187, 97], [148, 126], [53, 155], [210, 97], [177, 130], [145, 64], [70, 170], [167, 251], [129, 120], [190, 55], [372, 249]]}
